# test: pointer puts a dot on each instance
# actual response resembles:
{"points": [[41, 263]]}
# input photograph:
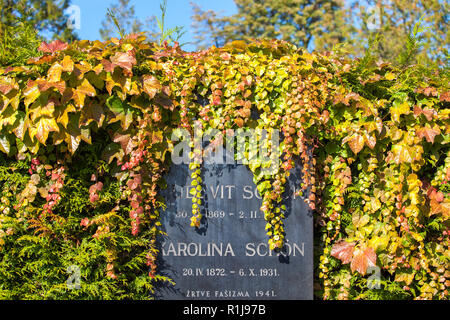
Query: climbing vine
{"points": [[86, 134]]}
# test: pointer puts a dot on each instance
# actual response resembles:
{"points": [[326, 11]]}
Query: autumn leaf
{"points": [[239, 122], [42, 128], [79, 94], [427, 112], [4, 144], [21, 125], [151, 85], [96, 187], [125, 60], [53, 47], [54, 73], [125, 142], [343, 251], [31, 93], [67, 64], [362, 259], [445, 96], [428, 133], [355, 142], [371, 141], [430, 91], [93, 196], [92, 112], [135, 182], [401, 153], [81, 68], [399, 109], [7, 84], [390, 76]]}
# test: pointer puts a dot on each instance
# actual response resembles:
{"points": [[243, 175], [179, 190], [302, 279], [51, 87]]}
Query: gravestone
{"points": [[228, 256]]}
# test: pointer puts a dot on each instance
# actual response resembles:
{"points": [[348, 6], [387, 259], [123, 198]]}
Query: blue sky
{"points": [[178, 14]]}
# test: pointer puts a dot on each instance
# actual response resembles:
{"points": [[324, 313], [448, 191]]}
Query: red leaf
{"points": [[134, 183], [85, 222], [343, 251], [53, 47], [96, 187]]}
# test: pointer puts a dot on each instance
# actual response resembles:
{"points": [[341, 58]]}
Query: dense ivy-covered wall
{"points": [[86, 133]]}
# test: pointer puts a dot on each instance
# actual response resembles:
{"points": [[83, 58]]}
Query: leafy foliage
{"points": [[90, 127], [18, 43]]}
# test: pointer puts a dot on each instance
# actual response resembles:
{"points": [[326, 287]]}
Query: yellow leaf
{"points": [[401, 154], [42, 128], [31, 94], [398, 109], [67, 64], [54, 73], [390, 76], [83, 90]]}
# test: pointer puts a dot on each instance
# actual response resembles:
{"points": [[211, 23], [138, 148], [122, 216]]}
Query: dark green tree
{"points": [[393, 23], [46, 16], [319, 24]]}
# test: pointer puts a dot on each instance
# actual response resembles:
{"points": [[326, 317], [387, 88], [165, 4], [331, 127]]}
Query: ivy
{"points": [[86, 135]]}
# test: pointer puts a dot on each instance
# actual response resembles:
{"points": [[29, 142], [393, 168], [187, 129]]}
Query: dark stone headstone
{"points": [[228, 256]]}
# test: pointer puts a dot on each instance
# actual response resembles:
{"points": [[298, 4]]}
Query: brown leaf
{"points": [[343, 251]]}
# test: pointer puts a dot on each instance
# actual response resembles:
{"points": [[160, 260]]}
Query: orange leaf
{"points": [[355, 142], [428, 133], [239, 122], [343, 251], [151, 85], [445, 96], [362, 259], [67, 64]]}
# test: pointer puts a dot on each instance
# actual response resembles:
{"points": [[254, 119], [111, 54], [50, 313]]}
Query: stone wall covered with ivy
{"points": [[85, 135]]}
